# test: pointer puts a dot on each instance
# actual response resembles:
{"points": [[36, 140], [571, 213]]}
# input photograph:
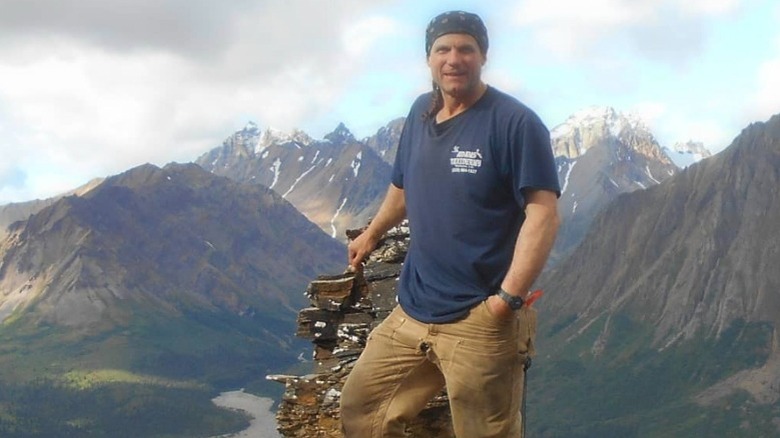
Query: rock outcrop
{"points": [[344, 309]]}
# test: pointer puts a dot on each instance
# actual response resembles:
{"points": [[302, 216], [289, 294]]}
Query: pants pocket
{"points": [[527, 317]]}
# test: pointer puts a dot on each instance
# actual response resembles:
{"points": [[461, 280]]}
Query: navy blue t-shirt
{"points": [[462, 181]]}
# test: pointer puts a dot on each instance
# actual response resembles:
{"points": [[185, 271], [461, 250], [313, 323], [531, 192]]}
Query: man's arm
{"points": [[391, 213], [533, 246]]}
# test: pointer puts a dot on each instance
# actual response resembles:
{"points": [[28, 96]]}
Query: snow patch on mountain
{"points": [[333, 219], [297, 180], [275, 168], [687, 153], [356, 163], [568, 174], [650, 174]]}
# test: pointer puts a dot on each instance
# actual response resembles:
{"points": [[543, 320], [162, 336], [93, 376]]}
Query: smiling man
{"points": [[475, 176]]}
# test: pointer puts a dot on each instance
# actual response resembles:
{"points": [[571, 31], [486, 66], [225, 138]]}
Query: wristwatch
{"points": [[515, 302]]}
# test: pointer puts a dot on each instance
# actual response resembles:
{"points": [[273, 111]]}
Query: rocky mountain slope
{"points": [[692, 254], [174, 272], [159, 237], [337, 182], [10, 213], [124, 309], [385, 141], [671, 303], [601, 153], [662, 323]]}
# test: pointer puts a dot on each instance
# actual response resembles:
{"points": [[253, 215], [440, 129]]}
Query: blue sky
{"points": [[90, 88]]}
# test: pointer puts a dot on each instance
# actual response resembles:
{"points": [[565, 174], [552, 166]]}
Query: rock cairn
{"points": [[344, 309]]}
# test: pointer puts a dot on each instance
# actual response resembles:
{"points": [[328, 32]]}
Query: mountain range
{"points": [[192, 274], [153, 289], [338, 182], [663, 322]]}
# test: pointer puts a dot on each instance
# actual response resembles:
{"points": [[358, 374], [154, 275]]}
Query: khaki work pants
{"points": [[478, 359]]}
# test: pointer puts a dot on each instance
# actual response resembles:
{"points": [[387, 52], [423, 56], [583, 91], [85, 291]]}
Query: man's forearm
{"points": [[534, 242], [391, 212]]}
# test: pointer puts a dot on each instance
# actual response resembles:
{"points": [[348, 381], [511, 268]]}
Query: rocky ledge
{"points": [[344, 309]]}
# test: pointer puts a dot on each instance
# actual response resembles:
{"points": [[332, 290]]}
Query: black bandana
{"points": [[456, 22]]}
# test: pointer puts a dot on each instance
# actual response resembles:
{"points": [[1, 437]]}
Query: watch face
{"points": [[515, 303]]}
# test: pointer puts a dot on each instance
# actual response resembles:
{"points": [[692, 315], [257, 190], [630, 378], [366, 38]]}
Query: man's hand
{"points": [[359, 249], [499, 308], [391, 213]]}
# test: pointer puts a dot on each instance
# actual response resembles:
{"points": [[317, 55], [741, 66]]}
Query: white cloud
{"points": [[101, 113], [361, 35], [565, 27], [650, 112], [710, 132], [507, 81], [709, 7], [672, 124], [98, 106], [92, 87], [595, 13], [654, 28], [90, 99], [767, 99]]}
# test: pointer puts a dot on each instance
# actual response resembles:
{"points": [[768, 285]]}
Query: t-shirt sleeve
{"points": [[405, 141], [397, 177], [531, 158]]}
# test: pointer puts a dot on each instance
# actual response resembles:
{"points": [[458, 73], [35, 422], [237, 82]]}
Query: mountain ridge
{"points": [[671, 303], [601, 153], [136, 220], [337, 182], [706, 185]]}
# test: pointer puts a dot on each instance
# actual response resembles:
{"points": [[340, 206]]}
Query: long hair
{"points": [[437, 103]]}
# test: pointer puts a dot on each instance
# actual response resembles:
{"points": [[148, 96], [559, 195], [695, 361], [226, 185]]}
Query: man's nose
{"points": [[453, 57]]}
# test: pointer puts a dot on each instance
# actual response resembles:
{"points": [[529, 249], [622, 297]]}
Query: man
{"points": [[475, 176]]}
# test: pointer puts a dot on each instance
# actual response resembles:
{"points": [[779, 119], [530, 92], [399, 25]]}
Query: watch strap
{"points": [[515, 302]]}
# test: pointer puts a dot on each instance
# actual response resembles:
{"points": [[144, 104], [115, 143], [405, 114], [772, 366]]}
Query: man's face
{"points": [[456, 64]]}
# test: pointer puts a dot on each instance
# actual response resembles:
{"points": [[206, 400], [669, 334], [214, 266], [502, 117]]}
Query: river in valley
{"points": [[263, 422]]}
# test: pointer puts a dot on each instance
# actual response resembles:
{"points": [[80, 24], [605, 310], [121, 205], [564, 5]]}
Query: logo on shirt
{"points": [[463, 161]]}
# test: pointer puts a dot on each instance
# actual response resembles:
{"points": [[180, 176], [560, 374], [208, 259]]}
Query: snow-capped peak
{"points": [[572, 137], [274, 136], [605, 116]]}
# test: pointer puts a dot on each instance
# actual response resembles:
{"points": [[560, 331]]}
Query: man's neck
{"points": [[453, 105]]}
